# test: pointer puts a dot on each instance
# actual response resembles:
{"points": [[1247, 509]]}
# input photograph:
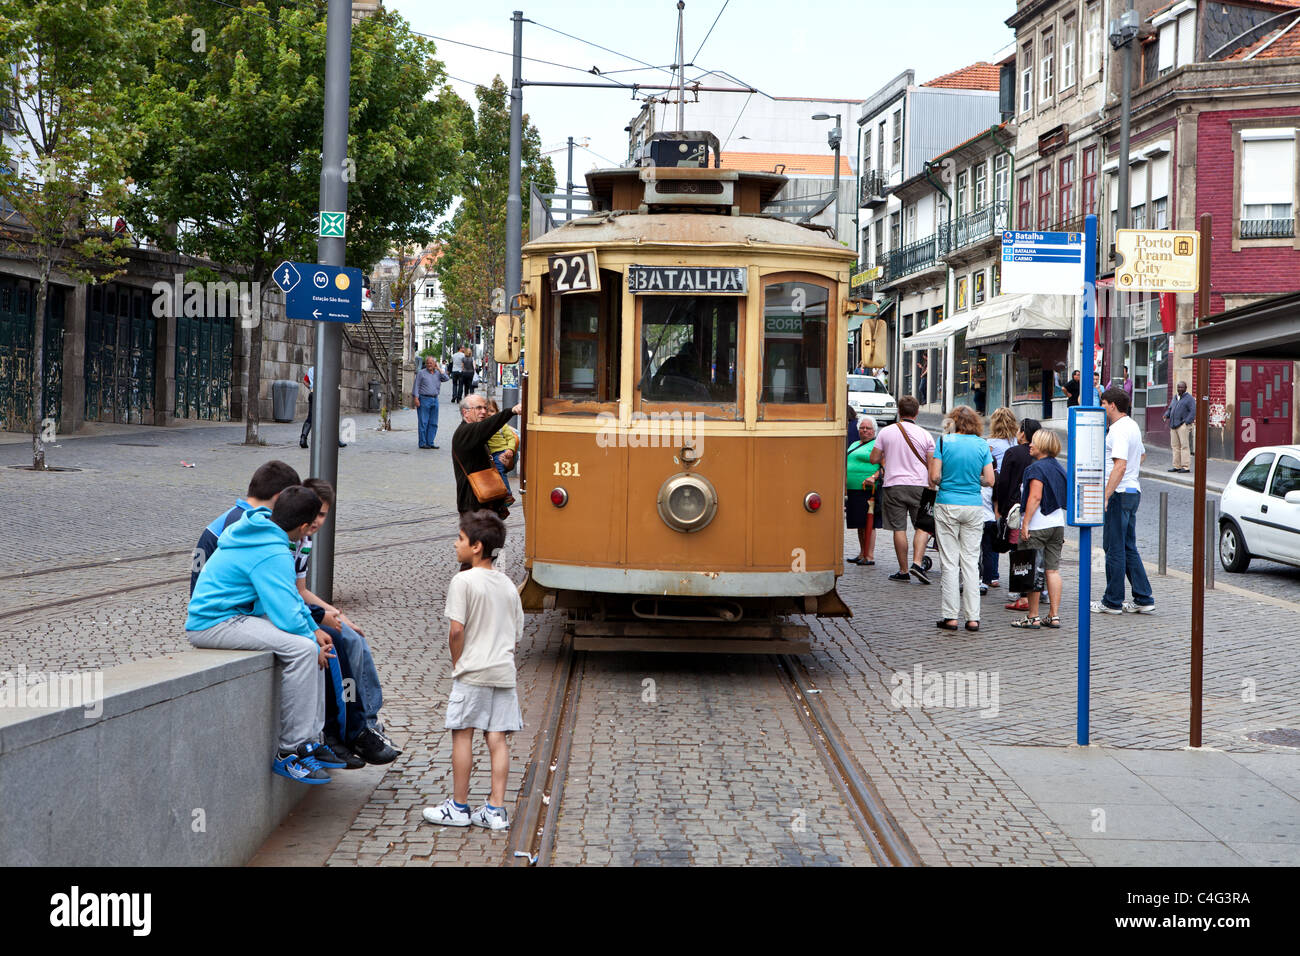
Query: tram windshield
{"points": [[688, 349]]}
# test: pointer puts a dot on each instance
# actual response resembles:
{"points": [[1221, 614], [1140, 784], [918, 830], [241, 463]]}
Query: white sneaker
{"points": [[492, 819], [1099, 608], [447, 814], [1131, 608]]}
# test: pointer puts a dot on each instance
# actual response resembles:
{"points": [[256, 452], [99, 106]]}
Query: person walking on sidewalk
{"points": [[1002, 438], [1006, 490], [1124, 454], [860, 480], [1042, 523], [424, 398], [1180, 414], [1072, 389], [961, 466], [309, 379], [904, 450], [457, 374]]}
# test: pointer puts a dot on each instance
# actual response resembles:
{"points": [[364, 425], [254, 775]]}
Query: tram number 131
{"points": [[574, 272]]}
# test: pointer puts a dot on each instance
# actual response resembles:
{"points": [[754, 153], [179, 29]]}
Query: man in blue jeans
{"points": [[424, 395], [360, 732], [1124, 454]]}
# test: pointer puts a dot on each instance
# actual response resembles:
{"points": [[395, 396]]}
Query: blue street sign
{"points": [[1049, 263], [1082, 446], [320, 293]]}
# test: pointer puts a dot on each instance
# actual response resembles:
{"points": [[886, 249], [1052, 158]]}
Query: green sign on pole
{"points": [[332, 224]]}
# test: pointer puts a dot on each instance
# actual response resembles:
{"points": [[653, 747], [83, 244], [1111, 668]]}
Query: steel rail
{"points": [[532, 837], [885, 839]]}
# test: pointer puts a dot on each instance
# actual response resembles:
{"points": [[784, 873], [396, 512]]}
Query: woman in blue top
{"points": [[961, 466]]}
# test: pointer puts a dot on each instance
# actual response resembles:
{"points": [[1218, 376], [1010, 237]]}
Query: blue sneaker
{"points": [[302, 769], [322, 755]]}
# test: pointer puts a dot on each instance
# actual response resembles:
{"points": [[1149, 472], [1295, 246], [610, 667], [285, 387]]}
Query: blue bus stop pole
{"points": [[1087, 398]]}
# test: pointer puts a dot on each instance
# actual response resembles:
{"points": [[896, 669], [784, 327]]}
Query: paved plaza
{"points": [[712, 766]]}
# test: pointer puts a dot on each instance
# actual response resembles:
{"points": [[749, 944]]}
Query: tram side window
{"points": [[795, 343], [689, 348], [585, 338]]}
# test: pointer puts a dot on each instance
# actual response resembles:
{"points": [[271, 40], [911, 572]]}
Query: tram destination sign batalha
{"points": [[696, 280], [1042, 263]]}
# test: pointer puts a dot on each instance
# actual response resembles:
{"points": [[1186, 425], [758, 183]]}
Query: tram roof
{"points": [[642, 229]]}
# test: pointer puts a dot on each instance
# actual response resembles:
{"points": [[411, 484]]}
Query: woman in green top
{"points": [[860, 477]]}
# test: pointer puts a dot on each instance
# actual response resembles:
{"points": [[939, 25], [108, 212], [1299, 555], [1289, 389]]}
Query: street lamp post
{"points": [[833, 140]]}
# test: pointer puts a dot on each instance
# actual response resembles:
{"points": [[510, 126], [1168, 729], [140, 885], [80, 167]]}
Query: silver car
{"points": [[869, 396]]}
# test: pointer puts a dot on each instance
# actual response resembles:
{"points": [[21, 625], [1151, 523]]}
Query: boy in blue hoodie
{"points": [[263, 488], [246, 599]]}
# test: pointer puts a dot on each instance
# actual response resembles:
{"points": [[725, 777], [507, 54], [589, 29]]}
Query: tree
{"points": [[474, 261], [66, 68], [234, 113]]}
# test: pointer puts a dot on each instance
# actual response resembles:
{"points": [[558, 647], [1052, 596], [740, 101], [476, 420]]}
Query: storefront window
{"points": [[1027, 385]]}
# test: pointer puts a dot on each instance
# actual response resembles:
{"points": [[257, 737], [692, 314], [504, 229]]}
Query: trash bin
{"points": [[284, 396], [376, 396], [509, 399]]}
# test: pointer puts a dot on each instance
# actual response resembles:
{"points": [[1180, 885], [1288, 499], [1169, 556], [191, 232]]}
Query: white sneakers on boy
{"points": [[493, 819], [447, 814]]}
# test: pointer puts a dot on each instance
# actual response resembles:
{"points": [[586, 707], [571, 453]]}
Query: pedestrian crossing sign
{"points": [[332, 225]]}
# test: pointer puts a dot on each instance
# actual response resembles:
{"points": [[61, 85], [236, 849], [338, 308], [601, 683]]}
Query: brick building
{"points": [[1216, 114]]}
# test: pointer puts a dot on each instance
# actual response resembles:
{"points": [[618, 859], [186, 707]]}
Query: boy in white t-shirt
{"points": [[487, 621]]}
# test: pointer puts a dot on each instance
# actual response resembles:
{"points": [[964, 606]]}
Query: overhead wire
{"points": [[714, 24], [599, 47]]}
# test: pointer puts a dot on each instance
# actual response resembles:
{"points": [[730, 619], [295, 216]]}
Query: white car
{"points": [[1261, 509], [869, 396]]}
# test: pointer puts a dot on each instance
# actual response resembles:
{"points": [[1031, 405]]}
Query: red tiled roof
{"points": [[1284, 41], [796, 164], [977, 76]]}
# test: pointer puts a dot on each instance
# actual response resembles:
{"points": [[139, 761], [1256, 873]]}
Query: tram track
{"points": [[535, 828], [181, 578]]}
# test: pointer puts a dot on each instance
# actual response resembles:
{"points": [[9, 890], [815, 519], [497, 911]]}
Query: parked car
{"points": [[869, 396], [1260, 509]]}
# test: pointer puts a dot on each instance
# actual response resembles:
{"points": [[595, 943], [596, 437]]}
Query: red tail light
{"points": [[812, 501], [559, 497]]}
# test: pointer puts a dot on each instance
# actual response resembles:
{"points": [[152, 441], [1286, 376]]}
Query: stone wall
{"points": [[174, 769], [289, 349]]}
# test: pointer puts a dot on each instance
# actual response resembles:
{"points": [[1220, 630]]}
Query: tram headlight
{"points": [[687, 502]]}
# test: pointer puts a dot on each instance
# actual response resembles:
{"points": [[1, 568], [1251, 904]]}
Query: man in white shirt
{"points": [[457, 375], [1124, 454]]}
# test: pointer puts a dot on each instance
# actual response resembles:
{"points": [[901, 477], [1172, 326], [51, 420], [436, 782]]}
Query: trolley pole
{"points": [[1198, 500], [331, 252], [568, 186], [681, 66]]}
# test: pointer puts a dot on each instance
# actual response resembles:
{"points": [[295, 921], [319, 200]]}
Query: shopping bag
{"points": [[1027, 574], [925, 513]]}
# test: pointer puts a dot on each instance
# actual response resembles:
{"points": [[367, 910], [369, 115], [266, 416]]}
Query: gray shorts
{"points": [[899, 503], [1048, 541], [491, 709]]}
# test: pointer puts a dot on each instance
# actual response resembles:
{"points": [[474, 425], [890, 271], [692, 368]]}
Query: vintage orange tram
{"points": [[685, 410]]}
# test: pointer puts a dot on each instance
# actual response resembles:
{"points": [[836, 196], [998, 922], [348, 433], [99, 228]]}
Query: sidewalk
{"points": [[1165, 808], [1158, 460]]}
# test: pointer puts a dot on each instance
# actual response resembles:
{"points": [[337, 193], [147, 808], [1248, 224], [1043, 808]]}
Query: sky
{"points": [[816, 48]]}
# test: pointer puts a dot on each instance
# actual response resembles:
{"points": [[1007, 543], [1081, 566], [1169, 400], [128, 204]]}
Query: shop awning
{"points": [[1006, 320], [1267, 330], [937, 335]]}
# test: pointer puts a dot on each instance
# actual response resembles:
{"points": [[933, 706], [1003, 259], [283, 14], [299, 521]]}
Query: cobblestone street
{"points": [[676, 758]]}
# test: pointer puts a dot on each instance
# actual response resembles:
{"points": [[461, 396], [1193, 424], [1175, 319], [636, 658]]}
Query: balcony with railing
{"points": [[918, 256], [1267, 228], [872, 189], [982, 224]]}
